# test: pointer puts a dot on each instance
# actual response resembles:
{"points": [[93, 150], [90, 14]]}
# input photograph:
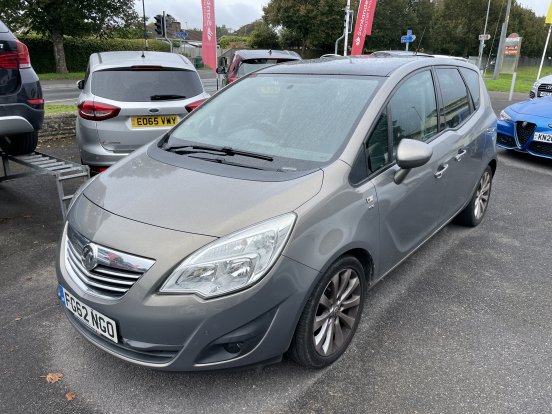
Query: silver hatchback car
{"points": [[130, 98], [259, 223]]}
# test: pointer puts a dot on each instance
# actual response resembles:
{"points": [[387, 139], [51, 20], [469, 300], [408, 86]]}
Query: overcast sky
{"points": [[236, 13]]}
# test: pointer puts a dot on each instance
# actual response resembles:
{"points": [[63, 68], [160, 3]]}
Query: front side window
{"points": [[456, 107], [296, 119], [413, 109]]}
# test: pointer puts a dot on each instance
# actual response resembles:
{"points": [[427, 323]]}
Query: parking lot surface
{"points": [[463, 325]]}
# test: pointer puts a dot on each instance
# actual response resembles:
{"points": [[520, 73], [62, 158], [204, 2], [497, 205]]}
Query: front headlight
{"points": [[536, 85], [232, 262], [504, 116]]}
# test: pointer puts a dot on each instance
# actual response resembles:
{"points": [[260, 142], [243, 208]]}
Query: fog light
{"points": [[233, 347]]}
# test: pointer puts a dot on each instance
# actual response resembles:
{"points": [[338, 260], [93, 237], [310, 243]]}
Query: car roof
{"points": [[353, 65], [399, 53], [108, 60], [3, 27], [267, 53]]}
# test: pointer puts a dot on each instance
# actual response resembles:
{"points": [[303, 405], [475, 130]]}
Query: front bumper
{"points": [[185, 332], [508, 137]]}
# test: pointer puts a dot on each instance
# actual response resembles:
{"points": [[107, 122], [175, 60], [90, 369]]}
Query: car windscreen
{"points": [[132, 85], [251, 65], [302, 121]]}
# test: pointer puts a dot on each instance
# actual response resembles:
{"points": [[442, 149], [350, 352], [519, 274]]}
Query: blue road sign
{"points": [[408, 39], [183, 35]]}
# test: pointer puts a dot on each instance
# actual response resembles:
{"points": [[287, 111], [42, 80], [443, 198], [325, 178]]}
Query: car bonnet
{"points": [[541, 107], [143, 189]]}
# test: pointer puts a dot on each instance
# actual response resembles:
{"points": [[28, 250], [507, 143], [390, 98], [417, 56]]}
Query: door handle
{"points": [[371, 200], [441, 171], [461, 153]]}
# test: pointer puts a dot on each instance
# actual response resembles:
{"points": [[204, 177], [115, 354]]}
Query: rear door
{"points": [[151, 101], [465, 133]]}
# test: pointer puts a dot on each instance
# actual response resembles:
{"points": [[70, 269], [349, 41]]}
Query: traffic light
{"points": [[160, 25]]}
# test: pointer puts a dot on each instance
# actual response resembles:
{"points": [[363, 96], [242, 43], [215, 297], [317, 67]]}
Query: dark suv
{"points": [[21, 102]]}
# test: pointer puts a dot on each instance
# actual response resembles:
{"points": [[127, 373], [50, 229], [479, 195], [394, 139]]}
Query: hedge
{"points": [[77, 51]]}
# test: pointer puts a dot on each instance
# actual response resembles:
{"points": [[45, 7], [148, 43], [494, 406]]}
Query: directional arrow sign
{"points": [[484, 37], [408, 39], [183, 35]]}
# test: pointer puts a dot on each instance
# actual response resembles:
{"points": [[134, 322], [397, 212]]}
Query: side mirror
{"points": [[222, 61], [411, 154], [221, 70], [80, 84]]}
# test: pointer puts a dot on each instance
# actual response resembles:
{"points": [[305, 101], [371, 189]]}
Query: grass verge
{"points": [[61, 76], [524, 80], [51, 109]]}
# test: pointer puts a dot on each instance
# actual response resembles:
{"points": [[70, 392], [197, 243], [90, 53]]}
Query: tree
{"points": [[264, 37], [56, 18]]}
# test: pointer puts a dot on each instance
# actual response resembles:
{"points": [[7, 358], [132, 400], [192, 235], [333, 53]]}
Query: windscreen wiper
{"points": [[166, 97], [194, 149]]}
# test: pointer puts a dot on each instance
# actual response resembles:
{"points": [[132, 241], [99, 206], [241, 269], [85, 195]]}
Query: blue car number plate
{"points": [[97, 321], [539, 136]]}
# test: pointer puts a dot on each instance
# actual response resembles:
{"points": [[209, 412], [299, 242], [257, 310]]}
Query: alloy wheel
{"points": [[482, 195], [337, 312]]}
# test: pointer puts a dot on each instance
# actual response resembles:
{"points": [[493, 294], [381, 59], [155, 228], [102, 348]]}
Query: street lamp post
{"points": [[145, 27], [482, 43], [500, 53], [347, 17]]}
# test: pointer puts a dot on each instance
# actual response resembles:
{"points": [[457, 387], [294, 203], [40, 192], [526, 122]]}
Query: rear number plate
{"points": [[99, 323], [154, 121], [539, 136]]}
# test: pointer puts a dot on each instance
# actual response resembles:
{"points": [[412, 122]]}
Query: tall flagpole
{"points": [[347, 17], [544, 52], [548, 20]]}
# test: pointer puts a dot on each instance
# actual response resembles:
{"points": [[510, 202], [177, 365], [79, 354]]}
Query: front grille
{"points": [[545, 87], [505, 141], [524, 131], [541, 148], [106, 272]]}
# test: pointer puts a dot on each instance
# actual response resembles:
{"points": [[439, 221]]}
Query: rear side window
{"points": [[129, 85], [413, 109], [472, 79], [456, 107]]}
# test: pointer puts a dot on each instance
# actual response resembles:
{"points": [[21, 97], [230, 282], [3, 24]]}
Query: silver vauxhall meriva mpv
{"points": [[257, 225]]}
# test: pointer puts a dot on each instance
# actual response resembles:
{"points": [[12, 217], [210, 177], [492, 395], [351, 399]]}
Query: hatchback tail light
{"points": [[194, 105], [97, 111], [23, 55], [16, 60]]}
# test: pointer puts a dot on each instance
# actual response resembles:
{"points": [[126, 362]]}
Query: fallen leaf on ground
{"points": [[70, 396], [54, 377], [18, 318]]}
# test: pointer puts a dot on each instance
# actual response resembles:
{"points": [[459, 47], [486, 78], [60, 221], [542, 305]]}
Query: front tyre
{"points": [[19, 144], [474, 212], [331, 315]]}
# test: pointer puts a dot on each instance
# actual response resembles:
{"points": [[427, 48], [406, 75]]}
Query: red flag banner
{"points": [[209, 38], [363, 26]]}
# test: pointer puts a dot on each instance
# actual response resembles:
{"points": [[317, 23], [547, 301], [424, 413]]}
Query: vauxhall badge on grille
{"points": [[89, 257]]}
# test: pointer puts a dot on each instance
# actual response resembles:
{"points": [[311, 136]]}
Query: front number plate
{"points": [[154, 121], [545, 93], [539, 136], [100, 323]]}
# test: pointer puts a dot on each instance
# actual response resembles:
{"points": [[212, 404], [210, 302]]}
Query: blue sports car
{"points": [[527, 126]]}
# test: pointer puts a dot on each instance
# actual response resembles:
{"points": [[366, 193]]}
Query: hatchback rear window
{"points": [[251, 65], [128, 85]]}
